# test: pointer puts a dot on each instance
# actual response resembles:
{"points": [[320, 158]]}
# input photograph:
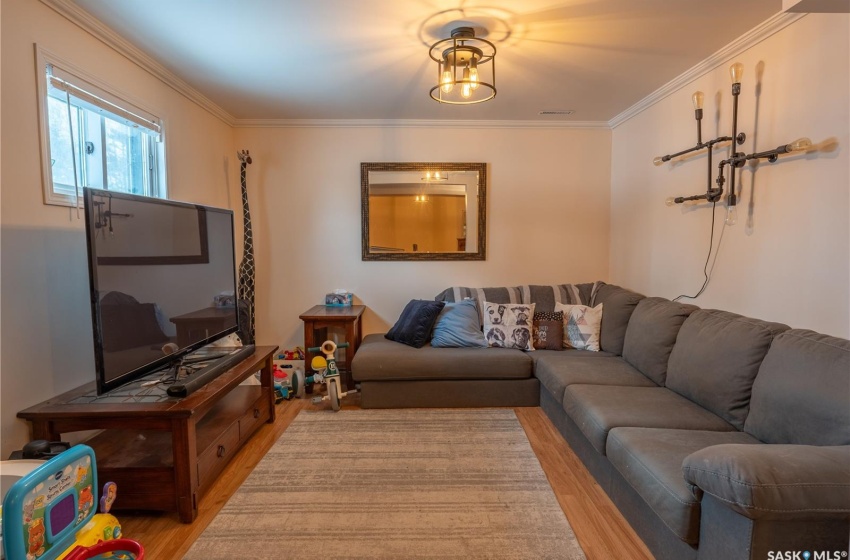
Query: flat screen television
{"points": [[163, 281]]}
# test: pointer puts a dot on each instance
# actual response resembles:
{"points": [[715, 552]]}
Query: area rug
{"points": [[394, 484]]}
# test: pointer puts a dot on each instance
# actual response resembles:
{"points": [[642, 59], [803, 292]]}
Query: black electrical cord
{"points": [[705, 270]]}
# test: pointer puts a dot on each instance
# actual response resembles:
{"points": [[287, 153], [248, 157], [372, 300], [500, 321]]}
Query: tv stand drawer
{"points": [[256, 416], [217, 455]]}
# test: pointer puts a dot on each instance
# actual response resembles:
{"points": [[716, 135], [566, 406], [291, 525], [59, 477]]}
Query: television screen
{"points": [[163, 281]]}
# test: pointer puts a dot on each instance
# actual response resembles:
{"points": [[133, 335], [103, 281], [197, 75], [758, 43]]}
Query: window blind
{"points": [[94, 99]]}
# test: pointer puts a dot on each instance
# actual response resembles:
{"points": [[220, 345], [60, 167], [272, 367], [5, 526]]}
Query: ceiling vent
{"points": [[556, 112]]}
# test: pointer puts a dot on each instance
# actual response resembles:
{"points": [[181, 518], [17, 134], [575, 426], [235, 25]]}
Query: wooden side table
{"points": [[318, 318]]}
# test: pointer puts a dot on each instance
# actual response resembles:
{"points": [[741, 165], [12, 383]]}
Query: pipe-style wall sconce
{"points": [[735, 161]]}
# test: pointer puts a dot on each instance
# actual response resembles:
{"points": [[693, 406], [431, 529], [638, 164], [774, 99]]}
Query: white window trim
{"points": [[43, 57]]}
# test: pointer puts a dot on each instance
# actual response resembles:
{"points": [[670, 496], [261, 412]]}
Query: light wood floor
{"points": [[599, 527]]}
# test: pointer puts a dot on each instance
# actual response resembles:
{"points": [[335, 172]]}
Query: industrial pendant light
{"points": [[464, 62]]}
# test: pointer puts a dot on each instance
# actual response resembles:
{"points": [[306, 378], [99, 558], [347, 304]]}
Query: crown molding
{"points": [[733, 49], [101, 31], [411, 123]]}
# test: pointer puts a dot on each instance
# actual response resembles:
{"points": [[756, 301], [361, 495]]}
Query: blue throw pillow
{"points": [[458, 326], [414, 326]]}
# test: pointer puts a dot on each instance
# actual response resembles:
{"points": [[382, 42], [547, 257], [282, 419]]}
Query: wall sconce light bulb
{"points": [[731, 215], [670, 201], [658, 161], [698, 98], [798, 145], [736, 72]]}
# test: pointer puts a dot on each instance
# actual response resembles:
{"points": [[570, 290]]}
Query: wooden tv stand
{"points": [[165, 455]]}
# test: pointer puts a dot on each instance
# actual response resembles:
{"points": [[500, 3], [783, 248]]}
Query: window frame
{"points": [[43, 58]]}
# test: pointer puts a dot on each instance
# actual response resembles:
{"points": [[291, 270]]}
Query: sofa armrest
{"points": [[774, 481]]}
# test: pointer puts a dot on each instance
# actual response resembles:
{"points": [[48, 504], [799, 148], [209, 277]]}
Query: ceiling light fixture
{"points": [[464, 61]]}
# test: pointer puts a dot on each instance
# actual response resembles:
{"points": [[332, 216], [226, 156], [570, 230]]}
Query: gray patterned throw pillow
{"points": [[508, 325]]}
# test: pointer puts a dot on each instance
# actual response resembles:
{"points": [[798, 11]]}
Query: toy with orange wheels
{"points": [[326, 372]]}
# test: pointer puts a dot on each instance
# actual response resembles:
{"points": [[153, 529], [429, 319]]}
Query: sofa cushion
{"points": [[497, 295], [548, 330], [650, 459], [415, 323], [716, 358], [458, 326], [619, 305], [379, 359], [802, 391], [545, 297], [570, 367], [509, 325], [597, 409], [651, 335], [581, 326], [788, 482], [480, 295], [573, 353]]}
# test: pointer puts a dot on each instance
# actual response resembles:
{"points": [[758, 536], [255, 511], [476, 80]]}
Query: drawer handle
{"points": [[220, 451], [256, 413]]}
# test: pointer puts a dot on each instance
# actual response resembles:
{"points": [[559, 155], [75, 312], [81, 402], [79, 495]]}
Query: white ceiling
{"points": [[368, 59]]}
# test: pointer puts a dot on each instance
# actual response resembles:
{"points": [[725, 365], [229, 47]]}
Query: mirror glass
{"points": [[423, 211]]}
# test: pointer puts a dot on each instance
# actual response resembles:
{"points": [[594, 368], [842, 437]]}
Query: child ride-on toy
{"points": [[326, 372]]}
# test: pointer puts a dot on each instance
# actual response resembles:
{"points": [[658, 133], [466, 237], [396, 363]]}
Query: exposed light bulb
{"points": [[731, 215], [698, 98], [473, 74], [798, 145], [466, 88], [670, 201], [658, 161], [447, 81], [437, 176], [736, 72]]}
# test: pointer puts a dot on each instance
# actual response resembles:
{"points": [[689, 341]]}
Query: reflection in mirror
{"points": [[423, 211]]}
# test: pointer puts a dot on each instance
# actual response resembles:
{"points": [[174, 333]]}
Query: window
{"points": [[93, 138]]}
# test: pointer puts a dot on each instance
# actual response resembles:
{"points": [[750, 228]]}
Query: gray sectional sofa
{"points": [[716, 435]]}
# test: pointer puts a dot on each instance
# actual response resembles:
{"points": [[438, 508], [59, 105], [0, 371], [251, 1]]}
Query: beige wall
{"points": [[788, 258], [547, 215], [46, 322]]}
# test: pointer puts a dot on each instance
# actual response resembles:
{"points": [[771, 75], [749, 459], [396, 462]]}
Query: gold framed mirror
{"points": [[423, 211]]}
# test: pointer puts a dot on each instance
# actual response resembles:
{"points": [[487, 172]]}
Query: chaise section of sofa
{"points": [[393, 375]]}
